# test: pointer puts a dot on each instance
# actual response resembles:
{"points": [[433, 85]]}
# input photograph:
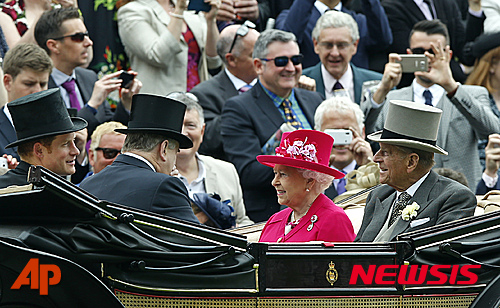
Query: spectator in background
{"points": [[336, 40], [106, 144], [27, 68], [489, 179], [252, 123], [204, 174], [172, 49], [238, 11], [62, 33], [486, 73], [235, 47], [374, 31], [491, 10]]}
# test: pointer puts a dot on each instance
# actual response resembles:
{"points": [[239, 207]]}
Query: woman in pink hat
{"points": [[301, 174]]}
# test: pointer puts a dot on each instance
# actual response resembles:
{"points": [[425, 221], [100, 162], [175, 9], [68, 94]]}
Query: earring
{"points": [[307, 189]]}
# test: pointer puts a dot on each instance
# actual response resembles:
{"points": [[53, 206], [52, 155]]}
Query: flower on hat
{"points": [[298, 150], [410, 211]]}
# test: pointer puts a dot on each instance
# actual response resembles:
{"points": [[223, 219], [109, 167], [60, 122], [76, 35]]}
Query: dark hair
{"points": [[430, 27], [25, 149], [452, 174], [49, 25], [26, 56]]}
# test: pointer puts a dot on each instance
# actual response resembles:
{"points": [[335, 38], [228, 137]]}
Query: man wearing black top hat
{"points": [[140, 177], [45, 136]]}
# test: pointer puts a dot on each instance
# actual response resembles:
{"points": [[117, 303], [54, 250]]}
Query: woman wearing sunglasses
{"points": [[172, 49]]}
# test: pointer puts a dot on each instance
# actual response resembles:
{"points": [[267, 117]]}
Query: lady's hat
{"points": [[157, 114], [305, 149], [42, 114], [411, 125]]}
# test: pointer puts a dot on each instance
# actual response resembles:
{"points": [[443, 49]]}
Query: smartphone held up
{"points": [[340, 136]]}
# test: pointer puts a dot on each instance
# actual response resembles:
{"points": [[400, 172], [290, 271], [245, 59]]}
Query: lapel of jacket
{"points": [[315, 74], [381, 212], [358, 85], [210, 178], [264, 103], [6, 128], [446, 106], [85, 89], [225, 85], [158, 10], [421, 197], [414, 10]]}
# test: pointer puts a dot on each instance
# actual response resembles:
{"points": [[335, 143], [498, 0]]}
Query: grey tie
{"points": [[399, 206]]}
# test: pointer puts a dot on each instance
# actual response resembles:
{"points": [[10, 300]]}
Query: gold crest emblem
{"points": [[331, 274]]}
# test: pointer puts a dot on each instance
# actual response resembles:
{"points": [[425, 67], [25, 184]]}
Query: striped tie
{"points": [[290, 117]]}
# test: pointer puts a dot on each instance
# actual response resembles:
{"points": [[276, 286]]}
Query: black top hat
{"points": [[157, 115], [41, 115]]}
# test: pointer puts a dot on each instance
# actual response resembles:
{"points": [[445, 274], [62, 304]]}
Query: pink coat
{"points": [[331, 225]]}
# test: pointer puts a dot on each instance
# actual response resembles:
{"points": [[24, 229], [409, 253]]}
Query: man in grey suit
{"points": [[414, 196], [235, 47], [336, 38], [467, 115]]}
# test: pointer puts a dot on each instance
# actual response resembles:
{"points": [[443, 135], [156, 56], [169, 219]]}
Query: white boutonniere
{"points": [[410, 211]]}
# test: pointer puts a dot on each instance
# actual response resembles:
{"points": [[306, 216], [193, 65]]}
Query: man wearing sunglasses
{"points": [[105, 146], [336, 39], [467, 115], [63, 35], [235, 47], [253, 122]]}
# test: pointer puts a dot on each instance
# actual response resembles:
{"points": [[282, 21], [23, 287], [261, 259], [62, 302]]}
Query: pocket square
{"points": [[419, 222]]}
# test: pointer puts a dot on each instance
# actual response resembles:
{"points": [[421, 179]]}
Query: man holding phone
{"points": [[467, 114], [340, 115]]}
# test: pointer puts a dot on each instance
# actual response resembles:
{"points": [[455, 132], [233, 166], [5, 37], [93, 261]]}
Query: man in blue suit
{"points": [[27, 68], [336, 40], [300, 19]]}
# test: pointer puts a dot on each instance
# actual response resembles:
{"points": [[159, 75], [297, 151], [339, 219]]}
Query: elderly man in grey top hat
{"points": [[413, 197], [45, 136], [140, 177]]}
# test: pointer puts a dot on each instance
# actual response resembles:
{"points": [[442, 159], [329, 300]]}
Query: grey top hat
{"points": [[411, 125], [42, 114]]}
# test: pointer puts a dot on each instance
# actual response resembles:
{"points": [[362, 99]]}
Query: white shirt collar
{"points": [[346, 81], [413, 188], [418, 93], [60, 77], [7, 114], [238, 83], [140, 158], [322, 8]]}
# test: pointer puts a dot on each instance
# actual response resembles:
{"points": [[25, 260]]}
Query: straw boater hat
{"points": [[305, 149], [42, 114], [157, 114], [411, 125]]}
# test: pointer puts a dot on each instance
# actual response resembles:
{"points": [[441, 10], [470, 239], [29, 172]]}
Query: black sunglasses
{"points": [[283, 61], [242, 31], [109, 153], [421, 51], [77, 37]]}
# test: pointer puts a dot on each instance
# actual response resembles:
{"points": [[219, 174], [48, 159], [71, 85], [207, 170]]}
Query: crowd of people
{"points": [[218, 96]]}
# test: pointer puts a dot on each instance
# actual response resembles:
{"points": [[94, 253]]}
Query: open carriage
{"points": [[112, 256]]}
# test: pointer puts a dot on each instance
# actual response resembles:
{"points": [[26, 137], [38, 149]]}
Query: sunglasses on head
{"points": [[283, 60], [77, 37], [109, 153], [242, 31]]}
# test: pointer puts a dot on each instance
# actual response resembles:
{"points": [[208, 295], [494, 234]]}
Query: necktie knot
{"points": [[428, 97], [244, 88], [69, 86], [337, 86], [399, 206]]}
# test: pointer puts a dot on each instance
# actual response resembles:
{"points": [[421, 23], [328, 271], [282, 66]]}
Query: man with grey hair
{"points": [[205, 174], [235, 47], [140, 177], [300, 19], [252, 123], [341, 113], [336, 41]]}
